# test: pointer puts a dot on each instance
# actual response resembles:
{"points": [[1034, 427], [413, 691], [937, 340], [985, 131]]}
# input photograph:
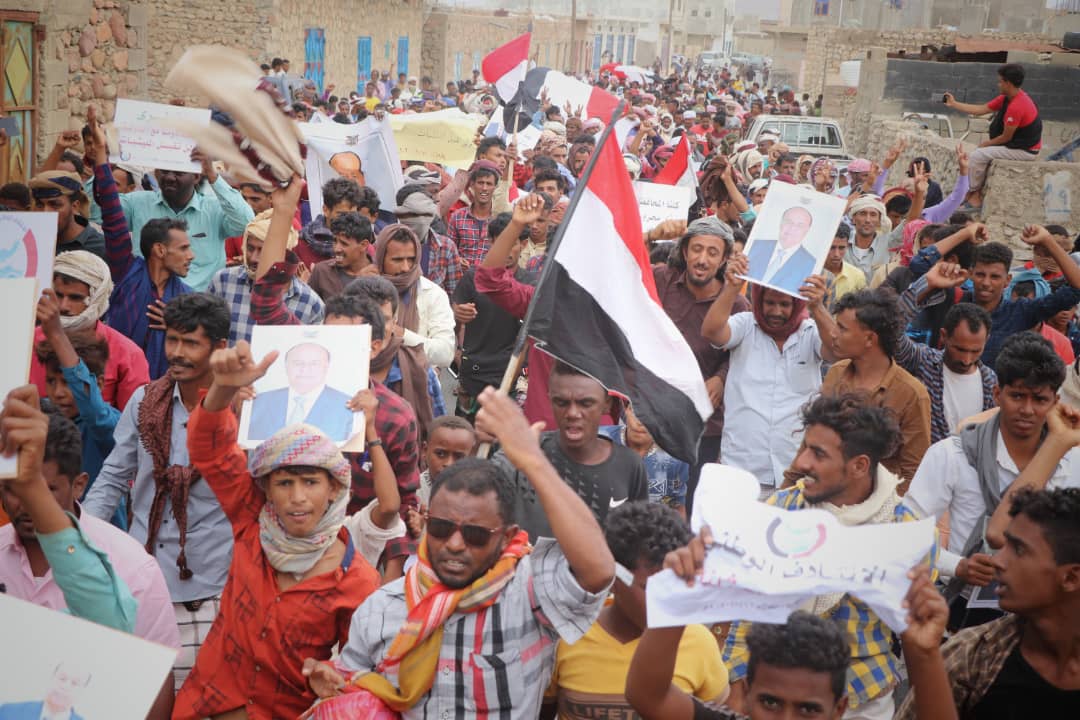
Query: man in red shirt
{"points": [[1015, 132]]}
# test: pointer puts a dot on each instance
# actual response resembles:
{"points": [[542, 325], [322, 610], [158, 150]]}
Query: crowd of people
{"points": [[923, 373]]}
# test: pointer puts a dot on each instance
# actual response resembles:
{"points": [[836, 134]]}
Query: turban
{"points": [[300, 445], [257, 228], [88, 268], [871, 202]]}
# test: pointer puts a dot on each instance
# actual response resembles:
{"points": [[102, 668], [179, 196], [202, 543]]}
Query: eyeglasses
{"points": [[475, 535]]}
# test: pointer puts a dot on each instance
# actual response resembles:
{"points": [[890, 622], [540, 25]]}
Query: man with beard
{"points": [[424, 315], [839, 464], [211, 217], [82, 287], [141, 285], [233, 284], [439, 260], [687, 288], [476, 584], [959, 384], [775, 368], [62, 193], [174, 516]]}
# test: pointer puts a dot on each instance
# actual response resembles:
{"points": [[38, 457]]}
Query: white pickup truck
{"points": [[817, 136]]}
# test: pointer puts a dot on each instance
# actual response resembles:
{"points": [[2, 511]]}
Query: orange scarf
{"points": [[416, 646]]}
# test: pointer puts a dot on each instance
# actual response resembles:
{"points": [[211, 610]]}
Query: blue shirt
{"points": [[92, 589], [96, 421], [434, 388], [209, 533], [211, 218], [668, 476]]}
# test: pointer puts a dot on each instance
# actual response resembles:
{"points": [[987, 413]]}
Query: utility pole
{"points": [[670, 33], [575, 56]]}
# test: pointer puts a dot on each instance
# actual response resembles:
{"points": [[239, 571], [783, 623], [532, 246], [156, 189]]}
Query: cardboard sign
{"points": [[444, 137], [18, 297], [791, 236], [364, 151], [83, 669], [766, 561], [318, 370], [658, 203], [28, 246], [145, 141]]}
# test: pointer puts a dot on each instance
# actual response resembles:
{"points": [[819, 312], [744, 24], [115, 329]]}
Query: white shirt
{"points": [[962, 395], [946, 481], [368, 538], [780, 256], [764, 390], [436, 329]]}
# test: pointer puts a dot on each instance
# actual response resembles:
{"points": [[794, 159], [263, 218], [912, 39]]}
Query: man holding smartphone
{"points": [[1015, 132]]}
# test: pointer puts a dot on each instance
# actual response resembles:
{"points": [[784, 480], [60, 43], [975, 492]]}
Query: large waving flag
{"points": [[679, 170], [505, 67], [596, 309], [594, 102]]}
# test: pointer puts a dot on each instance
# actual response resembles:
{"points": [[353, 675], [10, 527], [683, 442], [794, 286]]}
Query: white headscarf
{"points": [[88, 268]]}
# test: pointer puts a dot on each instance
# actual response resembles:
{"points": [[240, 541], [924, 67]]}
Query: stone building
{"points": [[60, 55]]}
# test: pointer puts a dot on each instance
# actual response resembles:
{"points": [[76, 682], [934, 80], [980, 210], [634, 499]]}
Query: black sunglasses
{"points": [[475, 535]]}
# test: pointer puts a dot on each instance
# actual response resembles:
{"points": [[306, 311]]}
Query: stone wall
{"points": [[94, 52], [827, 47], [474, 34], [1017, 193]]}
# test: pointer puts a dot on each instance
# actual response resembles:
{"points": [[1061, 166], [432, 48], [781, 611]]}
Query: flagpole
{"points": [[518, 356]]}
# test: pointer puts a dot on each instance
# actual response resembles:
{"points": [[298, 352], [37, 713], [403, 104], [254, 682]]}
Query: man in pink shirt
{"points": [[82, 285], [24, 570]]}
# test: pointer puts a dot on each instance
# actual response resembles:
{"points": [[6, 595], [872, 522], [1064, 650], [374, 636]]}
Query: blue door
{"points": [[314, 52], [457, 65], [363, 62], [403, 54], [630, 50], [622, 47], [597, 49]]}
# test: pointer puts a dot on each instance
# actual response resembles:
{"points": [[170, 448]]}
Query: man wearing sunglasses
{"points": [[481, 612]]}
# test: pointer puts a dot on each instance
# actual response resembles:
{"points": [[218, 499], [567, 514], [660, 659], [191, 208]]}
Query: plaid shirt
{"points": [[873, 667], [973, 659], [233, 285], [395, 421], [442, 265], [470, 234], [495, 662], [927, 364]]}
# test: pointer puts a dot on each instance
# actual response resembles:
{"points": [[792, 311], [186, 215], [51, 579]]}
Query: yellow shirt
{"points": [[848, 280], [590, 676]]}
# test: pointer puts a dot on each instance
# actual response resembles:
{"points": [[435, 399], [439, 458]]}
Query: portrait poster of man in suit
{"points": [[791, 236], [318, 370]]}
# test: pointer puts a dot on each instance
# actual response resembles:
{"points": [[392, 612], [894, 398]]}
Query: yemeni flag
{"points": [[505, 67], [594, 102], [596, 309], [678, 170]]}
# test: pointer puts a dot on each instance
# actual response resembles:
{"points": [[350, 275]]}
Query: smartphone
{"points": [[944, 98]]}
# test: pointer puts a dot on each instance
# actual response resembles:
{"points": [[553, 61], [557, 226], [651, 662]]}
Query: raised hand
{"points": [[921, 178], [737, 265], [101, 147], [500, 416], [976, 570], [814, 289], [978, 234], [236, 368], [1036, 235], [667, 230], [944, 275], [48, 313], [366, 402], [528, 209], [961, 159], [1063, 424], [23, 430], [68, 139], [687, 562], [894, 152]]}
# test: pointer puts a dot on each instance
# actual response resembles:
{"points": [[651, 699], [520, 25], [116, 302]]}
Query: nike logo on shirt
{"points": [[613, 503]]}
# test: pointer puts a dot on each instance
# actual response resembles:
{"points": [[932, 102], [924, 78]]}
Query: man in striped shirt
{"points": [[485, 647]]}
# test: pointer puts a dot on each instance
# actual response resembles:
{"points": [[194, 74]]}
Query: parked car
{"points": [[817, 136]]}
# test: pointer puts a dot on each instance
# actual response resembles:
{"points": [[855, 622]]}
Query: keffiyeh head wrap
{"points": [[88, 268], [257, 228], [300, 446], [871, 202]]}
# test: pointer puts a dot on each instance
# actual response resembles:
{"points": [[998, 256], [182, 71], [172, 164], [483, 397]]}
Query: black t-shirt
{"points": [[618, 479], [1020, 693], [489, 338], [703, 711]]}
